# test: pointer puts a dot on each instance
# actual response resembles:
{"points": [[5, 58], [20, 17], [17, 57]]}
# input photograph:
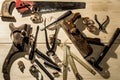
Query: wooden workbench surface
{"points": [[99, 7]]}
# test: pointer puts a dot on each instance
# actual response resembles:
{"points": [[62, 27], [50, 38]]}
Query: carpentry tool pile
{"points": [[25, 43]]}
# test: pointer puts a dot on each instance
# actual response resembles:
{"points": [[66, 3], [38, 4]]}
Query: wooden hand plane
{"points": [[76, 36]]}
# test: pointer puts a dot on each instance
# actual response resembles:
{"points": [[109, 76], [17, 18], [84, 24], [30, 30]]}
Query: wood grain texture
{"points": [[99, 7]]}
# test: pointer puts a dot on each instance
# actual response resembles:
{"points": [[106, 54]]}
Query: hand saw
{"points": [[28, 7]]}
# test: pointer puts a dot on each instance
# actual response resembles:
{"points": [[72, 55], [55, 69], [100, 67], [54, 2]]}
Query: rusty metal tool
{"points": [[28, 7], [35, 72], [21, 66], [37, 18], [76, 36], [95, 63], [32, 53], [90, 24], [15, 51], [103, 25], [7, 9], [19, 33], [52, 49]]}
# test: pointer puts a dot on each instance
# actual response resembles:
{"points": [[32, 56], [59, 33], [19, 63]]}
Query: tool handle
{"points": [[44, 57], [58, 19], [64, 15], [47, 64], [44, 69], [95, 41], [34, 45], [74, 17]]}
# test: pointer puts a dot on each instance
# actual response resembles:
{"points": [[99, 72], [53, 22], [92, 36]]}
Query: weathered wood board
{"points": [[99, 7]]}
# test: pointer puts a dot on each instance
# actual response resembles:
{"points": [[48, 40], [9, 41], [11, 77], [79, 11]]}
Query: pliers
{"points": [[52, 49], [103, 25]]}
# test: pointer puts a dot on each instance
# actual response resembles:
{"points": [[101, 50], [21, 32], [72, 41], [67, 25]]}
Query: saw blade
{"points": [[28, 7], [46, 7]]}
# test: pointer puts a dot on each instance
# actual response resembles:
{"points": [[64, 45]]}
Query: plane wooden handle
{"points": [[74, 17]]}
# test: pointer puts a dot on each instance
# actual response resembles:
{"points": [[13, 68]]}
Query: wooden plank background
{"points": [[99, 7]]}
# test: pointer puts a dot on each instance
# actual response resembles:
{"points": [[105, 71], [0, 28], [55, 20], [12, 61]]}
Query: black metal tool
{"points": [[15, 52], [48, 62], [52, 66], [43, 68], [32, 53], [28, 7], [52, 49], [104, 24], [31, 56], [45, 58], [66, 14], [95, 41], [104, 52]]}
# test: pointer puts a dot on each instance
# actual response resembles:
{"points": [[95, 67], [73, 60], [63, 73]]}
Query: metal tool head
{"points": [[19, 35]]}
